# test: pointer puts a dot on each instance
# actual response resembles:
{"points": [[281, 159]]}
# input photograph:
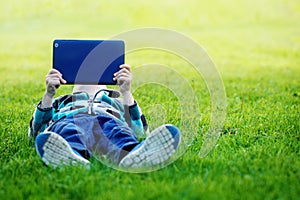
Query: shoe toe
{"points": [[175, 133], [40, 141]]}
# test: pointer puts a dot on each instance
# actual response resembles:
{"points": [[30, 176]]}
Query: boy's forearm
{"points": [[128, 98], [47, 101]]}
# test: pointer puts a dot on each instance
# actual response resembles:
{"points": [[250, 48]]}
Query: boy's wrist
{"points": [[47, 100], [128, 98], [43, 108]]}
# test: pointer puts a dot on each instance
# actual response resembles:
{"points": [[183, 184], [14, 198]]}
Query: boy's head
{"points": [[90, 89]]}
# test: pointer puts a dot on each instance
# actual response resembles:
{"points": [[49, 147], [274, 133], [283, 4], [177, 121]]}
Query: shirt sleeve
{"points": [[40, 120], [138, 120]]}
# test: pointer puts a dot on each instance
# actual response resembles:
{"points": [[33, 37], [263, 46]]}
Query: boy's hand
{"points": [[53, 81], [123, 78]]}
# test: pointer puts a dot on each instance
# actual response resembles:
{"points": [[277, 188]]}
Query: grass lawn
{"points": [[256, 48]]}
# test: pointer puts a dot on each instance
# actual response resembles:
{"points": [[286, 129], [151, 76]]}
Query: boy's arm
{"points": [[53, 81], [124, 78], [133, 115], [43, 112]]}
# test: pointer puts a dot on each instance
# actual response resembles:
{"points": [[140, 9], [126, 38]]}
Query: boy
{"points": [[70, 128]]}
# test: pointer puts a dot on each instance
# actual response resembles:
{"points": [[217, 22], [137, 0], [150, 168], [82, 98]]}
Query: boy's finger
{"points": [[63, 80], [54, 71], [125, 66], [122, 75], [119, 72], [123, 70]]}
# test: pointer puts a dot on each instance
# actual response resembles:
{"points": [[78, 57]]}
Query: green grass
{"points": [[256, 47]]}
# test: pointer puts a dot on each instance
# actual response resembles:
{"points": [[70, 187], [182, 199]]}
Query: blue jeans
{"points": [[102, 134]]}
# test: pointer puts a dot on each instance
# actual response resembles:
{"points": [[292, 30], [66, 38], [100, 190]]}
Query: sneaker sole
{"points": [[157, 148], [55, 151]]}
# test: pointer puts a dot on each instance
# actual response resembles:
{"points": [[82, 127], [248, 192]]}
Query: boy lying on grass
{"points": [[68, 129]]}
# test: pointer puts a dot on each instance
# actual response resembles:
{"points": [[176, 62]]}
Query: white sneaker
{"points": [[55, 151], [157, 148]]}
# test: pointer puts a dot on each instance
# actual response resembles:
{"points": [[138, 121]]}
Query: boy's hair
{"points": [[90, 89]]}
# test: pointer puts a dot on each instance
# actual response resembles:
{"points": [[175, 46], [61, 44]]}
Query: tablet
{"points": [[88, 62]]}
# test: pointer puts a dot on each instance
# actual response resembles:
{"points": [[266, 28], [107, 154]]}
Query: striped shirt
{"points": [[72, 104]]}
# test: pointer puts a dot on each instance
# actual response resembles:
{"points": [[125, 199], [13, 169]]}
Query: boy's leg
{"points": [[55, 150], [61, 144], [157, 148], [86, 134], [110, 139]]}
